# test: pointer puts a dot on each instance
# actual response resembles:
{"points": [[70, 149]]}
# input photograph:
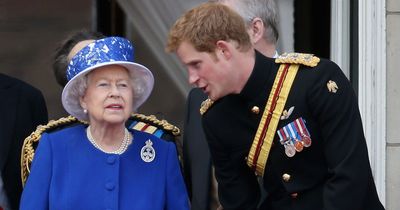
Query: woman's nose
{"points": [[114, 92]]}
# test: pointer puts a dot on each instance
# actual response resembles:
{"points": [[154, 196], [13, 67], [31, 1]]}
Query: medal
{"points": [[294, 137], [305, 135], [147, 153], [290, 151], [306, 140], [298, 145]]}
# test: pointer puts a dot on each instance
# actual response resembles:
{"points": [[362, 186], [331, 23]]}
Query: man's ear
{"points": [[223, 48], [256, 30]]}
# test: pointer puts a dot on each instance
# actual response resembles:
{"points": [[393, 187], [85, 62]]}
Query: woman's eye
{"points": [[103, 84], [123, 85]]}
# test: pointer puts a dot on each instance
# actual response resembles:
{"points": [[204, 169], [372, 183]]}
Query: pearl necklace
{"points": [[122, 148]]}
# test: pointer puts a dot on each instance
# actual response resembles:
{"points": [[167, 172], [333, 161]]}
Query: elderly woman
{"points": [[104, 165]]}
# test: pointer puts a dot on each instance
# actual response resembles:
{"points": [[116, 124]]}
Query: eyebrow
{"points": [[193, 62]]}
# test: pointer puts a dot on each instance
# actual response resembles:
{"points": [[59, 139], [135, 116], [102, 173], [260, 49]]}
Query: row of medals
{"points": [[293, 145]]}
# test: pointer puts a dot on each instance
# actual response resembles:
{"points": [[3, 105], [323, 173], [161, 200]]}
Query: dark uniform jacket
{"points": [[196, 155], [22, 108], [332, 174]]}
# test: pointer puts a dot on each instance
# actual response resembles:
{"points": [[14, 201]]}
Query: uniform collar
{"points": [[260, 75], [276, 54]]}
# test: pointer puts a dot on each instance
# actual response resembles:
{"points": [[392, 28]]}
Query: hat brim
{"points": [[142, 80]]}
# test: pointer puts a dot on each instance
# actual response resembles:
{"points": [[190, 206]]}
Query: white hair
{"points": [[264, 9], [78, 90]]}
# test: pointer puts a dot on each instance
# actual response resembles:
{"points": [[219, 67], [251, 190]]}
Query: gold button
{"points": [[286, 177], [255, 110], [294, 195]]}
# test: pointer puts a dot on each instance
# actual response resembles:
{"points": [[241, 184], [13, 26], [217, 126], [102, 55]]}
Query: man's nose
{"points": [[193, 78]]}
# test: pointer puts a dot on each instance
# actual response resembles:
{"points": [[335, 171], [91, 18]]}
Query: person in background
{"points": [[22, 109], [261, 21], [293, 121], [61, 59], [103, 164]]}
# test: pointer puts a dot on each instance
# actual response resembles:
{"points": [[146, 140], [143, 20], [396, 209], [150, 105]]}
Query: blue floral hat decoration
{"points": [[103, 52]]}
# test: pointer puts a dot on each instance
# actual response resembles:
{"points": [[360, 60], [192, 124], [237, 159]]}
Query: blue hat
{"points": [[103, 52]]}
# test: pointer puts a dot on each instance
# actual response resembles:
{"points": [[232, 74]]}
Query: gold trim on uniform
{"points": [[205, 105], [298, 58], [28, 150], [332, 86], [255, 110], [261, 160], [286, 177]]}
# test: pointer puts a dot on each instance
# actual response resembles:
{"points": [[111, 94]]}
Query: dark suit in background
{"points": [[196, 155], [22, 108]]}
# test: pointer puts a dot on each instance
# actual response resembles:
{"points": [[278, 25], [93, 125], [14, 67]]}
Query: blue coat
{"points": [[68, 172]]}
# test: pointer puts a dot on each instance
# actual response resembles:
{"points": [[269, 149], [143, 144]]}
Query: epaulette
{"points": [[151, 124], [298, 58], [30, 142], [205, 105]]}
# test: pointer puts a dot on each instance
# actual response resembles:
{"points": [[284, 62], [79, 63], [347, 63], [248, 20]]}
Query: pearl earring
{"points": [[85, 111]]}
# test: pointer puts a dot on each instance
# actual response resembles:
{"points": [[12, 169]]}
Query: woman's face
{"points": [[109, 96]]}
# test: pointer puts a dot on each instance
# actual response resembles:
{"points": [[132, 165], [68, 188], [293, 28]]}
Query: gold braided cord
{"points": [[28, 150], [205, 105], [162, 123], [298, 58]]}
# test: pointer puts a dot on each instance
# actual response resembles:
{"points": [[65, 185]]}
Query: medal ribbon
{"points": [[298, 126], [259, 151], [281, 135], [293, 134], [303, 127]]}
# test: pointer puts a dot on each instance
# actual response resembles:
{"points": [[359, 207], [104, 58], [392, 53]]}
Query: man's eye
{"points": [[196, 65]]}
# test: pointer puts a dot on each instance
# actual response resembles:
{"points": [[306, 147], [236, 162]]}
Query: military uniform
{"points": [[332, 173]]}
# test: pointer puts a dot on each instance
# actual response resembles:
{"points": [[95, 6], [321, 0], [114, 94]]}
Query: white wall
{"points": [[393, 105], [286, 26]]}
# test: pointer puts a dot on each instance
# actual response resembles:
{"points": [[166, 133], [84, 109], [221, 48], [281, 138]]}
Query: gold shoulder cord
{"points": [[205, 105], [28, 150], [298, 58]]}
